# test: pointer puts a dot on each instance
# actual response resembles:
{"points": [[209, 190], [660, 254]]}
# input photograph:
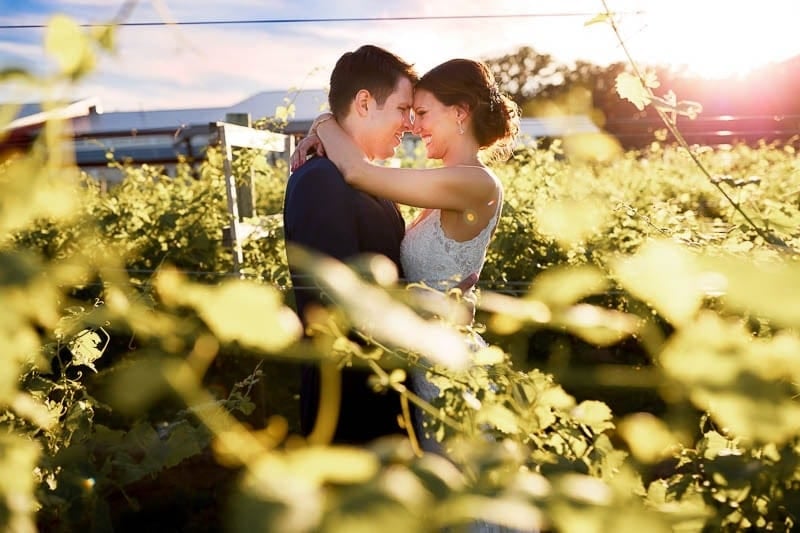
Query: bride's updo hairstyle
{"points": [[495, 117]]}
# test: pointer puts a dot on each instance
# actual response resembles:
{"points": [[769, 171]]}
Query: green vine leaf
{"points": [[570, 221], [499, 417], [18, 459], [630, 88], [595, 414], [236, 310], [106, 37], [184, 441], [597, 325], [669, 103], [85, 348], [333, 465], [490, 355], [713, 444], [746, 385], [284, 112], [69, 46], [600, 18], [664, 275], [561, 287], [15, 73], [647, 436]]}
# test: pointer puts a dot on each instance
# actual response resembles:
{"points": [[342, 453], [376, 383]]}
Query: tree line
{"points": [[758, 106]]}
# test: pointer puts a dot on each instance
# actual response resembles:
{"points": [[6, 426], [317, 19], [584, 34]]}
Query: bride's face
{"points": [[434, 122]]}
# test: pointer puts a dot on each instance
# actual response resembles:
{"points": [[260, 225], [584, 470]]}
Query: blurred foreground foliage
{"points": [[119, 308]]}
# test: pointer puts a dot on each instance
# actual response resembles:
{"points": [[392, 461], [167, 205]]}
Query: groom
{"points": [[371, 94]]}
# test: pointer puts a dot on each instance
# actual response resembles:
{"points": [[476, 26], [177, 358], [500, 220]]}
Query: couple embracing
{"points": [[340, 204]]}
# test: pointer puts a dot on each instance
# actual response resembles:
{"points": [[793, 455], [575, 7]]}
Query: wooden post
{"points": [[233, 200], [287, 152], [230, 136], [245, 187]]}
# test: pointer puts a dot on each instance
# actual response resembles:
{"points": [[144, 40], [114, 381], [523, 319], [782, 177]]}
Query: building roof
{"points": [[32, 115], [307, 105], [89, 119]]}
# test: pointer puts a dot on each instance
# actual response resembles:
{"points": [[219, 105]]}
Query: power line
{"points": [[323, 20]]}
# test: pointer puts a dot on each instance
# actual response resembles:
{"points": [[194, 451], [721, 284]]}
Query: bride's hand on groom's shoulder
{"points": [[307, 147]]}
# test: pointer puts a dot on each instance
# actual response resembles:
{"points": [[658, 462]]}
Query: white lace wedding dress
{"points": [[429, 256]]}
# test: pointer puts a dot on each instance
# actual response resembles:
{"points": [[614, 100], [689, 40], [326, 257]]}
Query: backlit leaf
{"points": [[748, 385], [489, 355], [29, 192], [597, 415], [284, 113], [630, 88], [597, 325], [584, 489], [14, 74], [565, 286], [339, 464], [762, 288], [86, 348], [41, 413], [570, 222], [19, 457], [664, 275], [236, 310], [8, 112], [105, 37], [499, 417], [69, 45], [18, 340], [598, 19], [594, 147], [648, 437], [713, 444]]}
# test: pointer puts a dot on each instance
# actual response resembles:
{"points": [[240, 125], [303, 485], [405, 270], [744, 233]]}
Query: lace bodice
{"points": [[429, 256]]}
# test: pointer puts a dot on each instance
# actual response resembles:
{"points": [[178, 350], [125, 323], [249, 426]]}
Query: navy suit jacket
{"points": [[322, 212]]}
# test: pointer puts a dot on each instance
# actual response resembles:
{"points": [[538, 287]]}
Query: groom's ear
{"points": [[361, 102]]}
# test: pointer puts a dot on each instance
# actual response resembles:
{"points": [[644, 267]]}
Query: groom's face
{"points": [[388, 122]]}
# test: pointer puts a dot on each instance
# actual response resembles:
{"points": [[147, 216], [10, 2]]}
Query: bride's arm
{"points": [[454, 188]]}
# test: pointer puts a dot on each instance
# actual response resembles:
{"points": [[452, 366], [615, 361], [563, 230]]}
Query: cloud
{"points": [[209, 63], [20, 52]]}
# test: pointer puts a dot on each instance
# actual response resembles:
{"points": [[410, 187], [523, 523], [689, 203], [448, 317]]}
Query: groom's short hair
{"points": [[371, 68]]}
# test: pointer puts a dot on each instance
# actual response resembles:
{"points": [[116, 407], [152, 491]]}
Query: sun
{"points": [[715, 38]]}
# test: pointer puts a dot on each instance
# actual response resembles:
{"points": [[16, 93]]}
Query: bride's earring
{"points": [[460, 128]]}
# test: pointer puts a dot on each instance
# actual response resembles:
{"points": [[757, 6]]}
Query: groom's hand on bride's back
{"points": [[307, 147], [468, 283], [468, 296]]}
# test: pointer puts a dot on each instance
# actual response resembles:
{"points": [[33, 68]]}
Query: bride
{"points": [[466, 123]]}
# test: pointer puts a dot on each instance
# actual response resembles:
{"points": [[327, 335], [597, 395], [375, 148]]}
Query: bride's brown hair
{"points": [[495, 117]]}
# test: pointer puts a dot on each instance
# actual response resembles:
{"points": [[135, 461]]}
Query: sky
{"points": [[218, 65]]}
